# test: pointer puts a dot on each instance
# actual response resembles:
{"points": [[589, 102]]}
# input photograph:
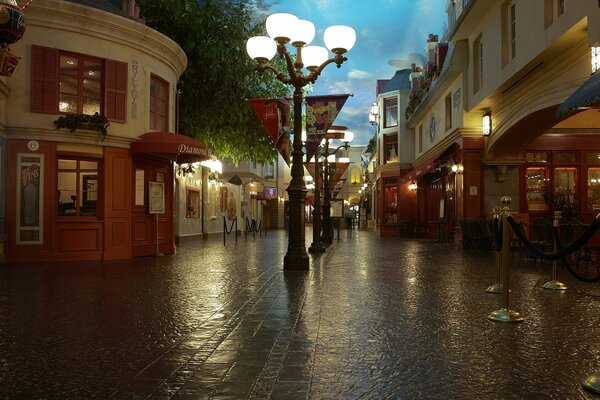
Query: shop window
{"points": [[537, 189], [565, 188], [537, 157], [390, 112], [192, 201], [565, 157], [593, 158], [390, 201], [72, 83], [593, 188], [391, 148], [159, 104], [77, 187]]}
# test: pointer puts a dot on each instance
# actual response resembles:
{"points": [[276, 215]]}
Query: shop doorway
{"points": [[152, 215]]}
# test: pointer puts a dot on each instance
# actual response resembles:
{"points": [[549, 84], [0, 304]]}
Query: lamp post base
{"points": [[504, 315], [296, 261], [496, 288], [592, 383], [316, 248]]}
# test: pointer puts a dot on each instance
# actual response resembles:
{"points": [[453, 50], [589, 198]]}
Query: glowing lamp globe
{"points": [[303, 32], [261, 48], [281, 26], [339, 38], [313, 56]]}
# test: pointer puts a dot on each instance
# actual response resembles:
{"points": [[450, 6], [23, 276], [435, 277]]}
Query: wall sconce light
{"points": [[457, 168], [595, 58], [412, 185], [487, 124]]}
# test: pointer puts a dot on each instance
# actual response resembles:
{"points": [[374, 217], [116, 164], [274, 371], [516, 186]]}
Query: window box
{"points": [[72, 122]]}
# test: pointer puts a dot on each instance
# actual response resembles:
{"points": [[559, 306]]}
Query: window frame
{"points": [[80, 76], [390, 140], [44, 81], [79, 190], [153, 111], [389, 104]]}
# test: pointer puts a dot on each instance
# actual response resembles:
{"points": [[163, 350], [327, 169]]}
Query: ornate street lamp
{"points": [[327, 236], [286, 29]]}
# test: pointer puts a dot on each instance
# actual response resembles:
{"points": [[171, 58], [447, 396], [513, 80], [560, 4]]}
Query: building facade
{"points": [[71, 190], [485, 121]]}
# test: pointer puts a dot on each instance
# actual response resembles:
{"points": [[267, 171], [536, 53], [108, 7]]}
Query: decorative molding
{"points": [[134, 88]]}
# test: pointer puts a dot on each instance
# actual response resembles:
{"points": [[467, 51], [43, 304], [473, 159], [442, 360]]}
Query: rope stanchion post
{"points": [[554, 283], [505, 314], [496, 287]]}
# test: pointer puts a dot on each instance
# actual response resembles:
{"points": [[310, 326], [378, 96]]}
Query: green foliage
{"points": [[220, 76], [72, 122]]}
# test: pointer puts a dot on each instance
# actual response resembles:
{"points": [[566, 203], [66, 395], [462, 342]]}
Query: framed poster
{"points": [[156, 197], [30, 200]]}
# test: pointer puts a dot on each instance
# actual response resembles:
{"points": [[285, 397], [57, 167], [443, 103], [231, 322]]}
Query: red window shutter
{"points": [[115, 90], [44, 80]]}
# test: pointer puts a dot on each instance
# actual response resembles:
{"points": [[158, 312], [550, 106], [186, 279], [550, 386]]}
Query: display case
{"points": [[537, 189], [565, 188]]}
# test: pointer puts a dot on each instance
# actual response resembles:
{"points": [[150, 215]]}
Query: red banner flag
{"points": [[340, 168], [275, 117]]}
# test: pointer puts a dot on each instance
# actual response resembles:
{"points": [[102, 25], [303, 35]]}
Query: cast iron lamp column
{"points": [[317, 245], [327, 236], [283, 29]]}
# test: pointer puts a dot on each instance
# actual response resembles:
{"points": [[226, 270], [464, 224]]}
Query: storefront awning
{"points": [[586, 96], [180, 148]]}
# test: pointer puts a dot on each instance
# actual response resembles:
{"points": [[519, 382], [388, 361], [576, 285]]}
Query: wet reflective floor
{"points": [[374, 318]]}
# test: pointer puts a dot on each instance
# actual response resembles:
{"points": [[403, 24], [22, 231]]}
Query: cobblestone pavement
{"points": [[374, 318]]}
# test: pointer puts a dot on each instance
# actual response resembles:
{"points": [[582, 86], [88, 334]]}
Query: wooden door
{"points": [[151, 232]]}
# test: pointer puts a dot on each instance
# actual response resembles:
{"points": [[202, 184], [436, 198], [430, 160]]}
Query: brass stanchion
{"points": [[504, 314], [554, 284], [496, 288], [592, 383]]}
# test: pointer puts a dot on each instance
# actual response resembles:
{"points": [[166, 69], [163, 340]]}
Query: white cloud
{"points": [[357, 74]]}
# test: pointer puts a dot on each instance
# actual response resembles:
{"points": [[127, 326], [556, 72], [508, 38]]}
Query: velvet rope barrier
{"points": [[568, 265], [584, 238]]}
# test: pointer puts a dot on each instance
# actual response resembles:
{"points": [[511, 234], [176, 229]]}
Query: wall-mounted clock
{"points": [[432, 129]]}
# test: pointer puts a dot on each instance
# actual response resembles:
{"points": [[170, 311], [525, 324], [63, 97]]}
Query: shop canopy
{"points": [[586, 96], [180, 148]]}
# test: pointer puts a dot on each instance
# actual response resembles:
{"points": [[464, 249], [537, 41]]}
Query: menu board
{"points": [[156, 197]]}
